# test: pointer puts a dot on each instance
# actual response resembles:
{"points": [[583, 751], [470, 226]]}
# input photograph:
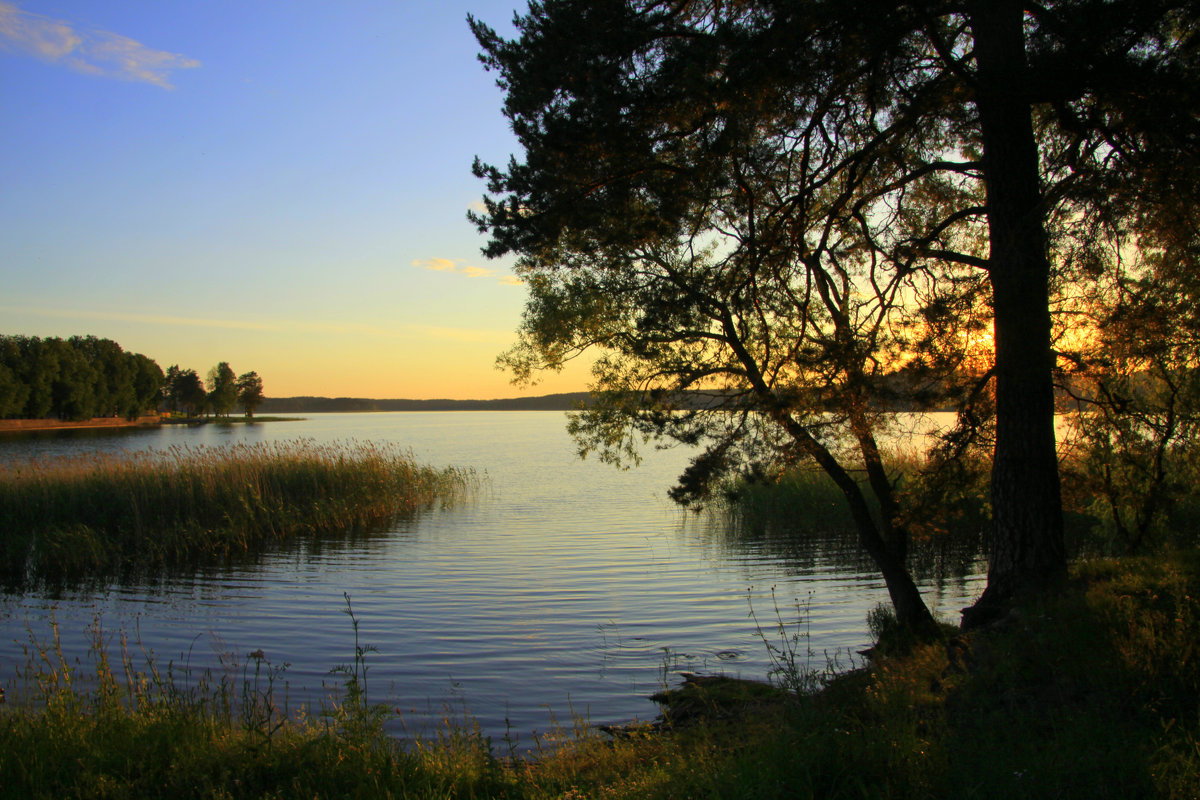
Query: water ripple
{"points": [[569, 587]]}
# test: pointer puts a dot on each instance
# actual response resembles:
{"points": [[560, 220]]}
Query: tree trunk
{"points": [[911, 611], [1028, 552]]}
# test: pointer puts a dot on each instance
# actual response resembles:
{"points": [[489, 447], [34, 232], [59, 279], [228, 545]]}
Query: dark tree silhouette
{"points": [[249, 392], [222, 389], [187, 390], [731, 195], [148, 380]]}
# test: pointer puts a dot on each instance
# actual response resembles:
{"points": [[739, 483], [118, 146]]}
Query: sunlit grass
{"points": [[100, 514], [946, 507], [1115, 501], [934, 499]]}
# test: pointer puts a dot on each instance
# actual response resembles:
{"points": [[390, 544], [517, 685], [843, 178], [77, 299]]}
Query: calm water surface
{"points": [[566, 588]]}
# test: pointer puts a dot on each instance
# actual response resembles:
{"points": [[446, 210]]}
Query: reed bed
{"points": [[1110, 508], [98, 514], [801, 516], [799, 500]]}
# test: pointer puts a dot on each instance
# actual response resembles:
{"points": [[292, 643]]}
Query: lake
{"points": [[566, 588]]}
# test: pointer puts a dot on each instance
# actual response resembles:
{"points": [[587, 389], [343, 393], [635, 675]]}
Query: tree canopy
{"points": [[74, 379], [86, 376], [249, 392], [222, 389], [184, 391], [805, 208]]}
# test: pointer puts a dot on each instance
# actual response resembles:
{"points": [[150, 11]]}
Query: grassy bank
{"points": [[1094, 693], [946, 507], [1091, 694], [103, 514]]}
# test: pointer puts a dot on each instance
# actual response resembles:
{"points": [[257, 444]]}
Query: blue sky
{"points": [[281, 185]]}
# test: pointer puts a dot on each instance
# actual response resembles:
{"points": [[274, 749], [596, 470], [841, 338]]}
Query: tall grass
{"points": [[945, 506], [120, 725], [935, 496], [804, 499], [1114, 503], [801, 515], [100, 514]]}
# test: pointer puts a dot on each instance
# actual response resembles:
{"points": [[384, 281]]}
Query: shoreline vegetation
{"points": [[569, 401], [566, 401], [144, 421], [85, 378], [1091, 692], [99, 514], [33, 425]]}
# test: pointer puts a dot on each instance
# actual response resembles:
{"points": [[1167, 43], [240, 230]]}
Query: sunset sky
{"points": [[281, 185]]}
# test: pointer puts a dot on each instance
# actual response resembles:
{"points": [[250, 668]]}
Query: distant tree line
{"points": [[569, 401], [84, 377]]}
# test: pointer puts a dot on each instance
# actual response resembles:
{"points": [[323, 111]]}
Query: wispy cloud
{"points": [[436, 264], [90, 51], [154, 319], [423, 332], [460, 268]]}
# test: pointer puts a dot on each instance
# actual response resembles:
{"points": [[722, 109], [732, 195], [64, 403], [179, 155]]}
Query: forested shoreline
{"points": [[87, 377]]}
